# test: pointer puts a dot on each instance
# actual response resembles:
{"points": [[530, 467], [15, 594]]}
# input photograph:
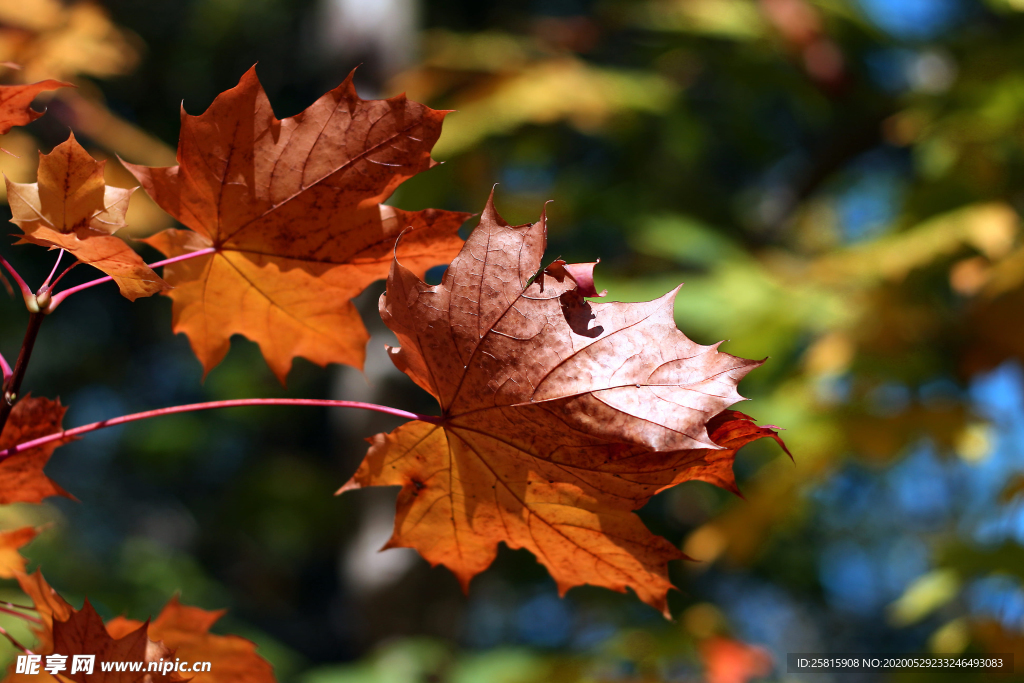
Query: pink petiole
{"points": [[57, 298], [193, 407], [46, 282], [26, 617], [66, 271]]}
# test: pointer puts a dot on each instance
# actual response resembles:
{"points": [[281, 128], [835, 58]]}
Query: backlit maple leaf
{"points": [[560, 417], [70, 207], [186, 631], [16, 101], [84, 633], [21, 475], [179, 633], [292, 208]]}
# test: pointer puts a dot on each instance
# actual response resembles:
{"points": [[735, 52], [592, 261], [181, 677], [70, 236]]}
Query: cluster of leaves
{"points": [[178, 632], [559, 417], [731, 144]]}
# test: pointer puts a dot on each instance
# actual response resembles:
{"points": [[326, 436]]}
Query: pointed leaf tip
{"points": [[490, 212]]}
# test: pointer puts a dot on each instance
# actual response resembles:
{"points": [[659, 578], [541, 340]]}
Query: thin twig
{"points": [[193, 407], [12, 386], [49, 277], [61, 276], [15, 643], [99, 281], [17, 606], [26, 617]]}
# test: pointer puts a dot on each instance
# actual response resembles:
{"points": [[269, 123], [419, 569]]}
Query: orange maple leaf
{"points": [[186, 631], [16, 102], [11, 561], [179, 633], [292, 208], [559, 418], [84, 633], [70, 207], [21, 475]]}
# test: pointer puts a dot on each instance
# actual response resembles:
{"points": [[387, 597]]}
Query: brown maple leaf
{"points": [[292, 208], [70, 207], [179, 633], [186, 631], [84, 633], [67, 631], [16, 102], [21, 475], [560, 417]]}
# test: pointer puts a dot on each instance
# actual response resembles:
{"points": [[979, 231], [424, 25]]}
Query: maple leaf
{"points": [[16, 101], [84, 633], [186, 631], [292, 208], [21, 475], [560, 417], [180, 632], [70, 207]]}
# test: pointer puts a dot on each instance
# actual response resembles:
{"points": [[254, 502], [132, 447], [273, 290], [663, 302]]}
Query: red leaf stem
{"points": [[211, 405], [99, 281]]}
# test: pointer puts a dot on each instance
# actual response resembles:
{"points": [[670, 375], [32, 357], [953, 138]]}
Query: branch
{"points": [[211, 405], [26, 617], [99, 281], [61, 276], [15, 643], [13, 384]]}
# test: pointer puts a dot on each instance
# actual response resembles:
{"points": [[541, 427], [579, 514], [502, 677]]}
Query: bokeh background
{"points": [[838, 183]]}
